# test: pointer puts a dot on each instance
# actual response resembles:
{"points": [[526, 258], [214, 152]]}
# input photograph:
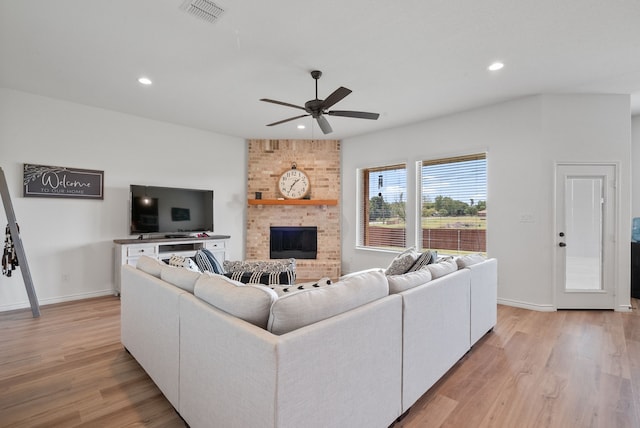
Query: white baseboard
{"points": [[526, 305], [60, 299], [548, 308], [623, 308]]}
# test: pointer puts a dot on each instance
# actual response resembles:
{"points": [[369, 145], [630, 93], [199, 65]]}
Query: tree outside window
{"points": [[383, 207]]}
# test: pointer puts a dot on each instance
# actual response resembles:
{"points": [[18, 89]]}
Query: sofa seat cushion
{"points": [[469, 260], [443, 267], [400, 283], [150, 265], [308, 306], [248, 302], [180, 277]]}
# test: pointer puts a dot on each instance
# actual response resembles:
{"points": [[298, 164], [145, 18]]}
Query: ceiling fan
{"points": [[317, 108]]}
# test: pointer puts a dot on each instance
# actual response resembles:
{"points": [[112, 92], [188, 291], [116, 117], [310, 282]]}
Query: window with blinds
{"points": [[453, 195], [383, 207]]}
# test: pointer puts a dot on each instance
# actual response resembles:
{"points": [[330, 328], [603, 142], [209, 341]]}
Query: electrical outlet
{"points": [[526, 218]]}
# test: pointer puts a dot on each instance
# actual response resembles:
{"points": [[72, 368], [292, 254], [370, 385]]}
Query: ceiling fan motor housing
{"points": [[314, 107]]}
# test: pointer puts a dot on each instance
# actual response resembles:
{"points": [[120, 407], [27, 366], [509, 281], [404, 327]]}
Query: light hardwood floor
{"points": [[536, 369]]}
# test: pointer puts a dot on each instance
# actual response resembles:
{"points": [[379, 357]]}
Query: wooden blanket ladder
{"points": [[17, 243]]}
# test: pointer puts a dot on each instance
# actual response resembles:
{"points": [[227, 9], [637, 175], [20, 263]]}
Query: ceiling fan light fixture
{"points": [[496, 66], [144, 81], [301, 126]]}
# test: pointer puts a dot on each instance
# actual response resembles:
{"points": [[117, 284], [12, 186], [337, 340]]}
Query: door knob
{"points": [[562, 244], [561, 234]]}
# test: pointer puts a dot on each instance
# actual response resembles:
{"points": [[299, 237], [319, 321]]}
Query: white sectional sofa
{"points": [[346, 354]]}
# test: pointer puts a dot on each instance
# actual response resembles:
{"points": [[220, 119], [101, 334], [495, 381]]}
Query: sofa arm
{"points": [[342, 371], [484, 298], [227, 369], [150, 326], [436, 332], [345, 371]]}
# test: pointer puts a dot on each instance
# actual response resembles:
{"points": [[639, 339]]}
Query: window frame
{"points": [[363, 236]]}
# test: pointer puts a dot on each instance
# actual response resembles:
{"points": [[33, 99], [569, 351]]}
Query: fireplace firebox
{"points": [[298, 242]]}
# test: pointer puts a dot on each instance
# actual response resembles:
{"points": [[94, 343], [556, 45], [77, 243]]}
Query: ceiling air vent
{"points": [[203, 9]]}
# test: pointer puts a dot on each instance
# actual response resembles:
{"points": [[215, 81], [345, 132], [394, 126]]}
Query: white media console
{"points": [[128, 251]]}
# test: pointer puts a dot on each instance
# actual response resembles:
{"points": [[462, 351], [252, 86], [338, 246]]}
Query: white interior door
{"points": [[585, 225]]}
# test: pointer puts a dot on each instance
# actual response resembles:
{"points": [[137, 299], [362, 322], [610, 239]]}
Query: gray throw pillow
{"points": [[402, 262]]}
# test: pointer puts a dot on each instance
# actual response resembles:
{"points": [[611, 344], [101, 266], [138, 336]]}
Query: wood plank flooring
{"points": [[68, 368], [536, 369]]}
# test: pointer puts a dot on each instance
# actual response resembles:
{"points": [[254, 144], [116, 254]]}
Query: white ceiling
{"points": [[409, 60]]}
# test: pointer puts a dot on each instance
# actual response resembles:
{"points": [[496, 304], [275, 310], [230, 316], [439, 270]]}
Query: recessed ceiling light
{"points": [[145, 81], [495, 66], [301, 126]]}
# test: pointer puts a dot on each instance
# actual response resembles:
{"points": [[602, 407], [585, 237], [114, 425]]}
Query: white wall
{"points": [[635, 162], [69, 242], [524, 139]]}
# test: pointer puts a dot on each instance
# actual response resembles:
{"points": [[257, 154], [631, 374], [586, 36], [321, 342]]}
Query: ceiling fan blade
{"points": [[288, 120], [336, 96], [356, 114], [324, 124], [281, 103]]}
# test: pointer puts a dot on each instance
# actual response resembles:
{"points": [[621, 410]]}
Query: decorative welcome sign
{"points": [[61, 182]]}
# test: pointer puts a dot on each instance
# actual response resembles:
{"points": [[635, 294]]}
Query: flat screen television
{"points": [[170, 211]]}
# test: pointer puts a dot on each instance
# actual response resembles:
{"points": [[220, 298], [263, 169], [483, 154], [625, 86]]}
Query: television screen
{"points": [[169, 210]]}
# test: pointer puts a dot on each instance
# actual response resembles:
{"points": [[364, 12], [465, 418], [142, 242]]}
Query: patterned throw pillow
{"points": [[402, 262], [425, 258], [207, 262], [265, 278], [184, 262], [284, 265], [289, 289]]}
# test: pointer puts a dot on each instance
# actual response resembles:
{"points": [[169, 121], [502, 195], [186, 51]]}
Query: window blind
{"points": [[453, 195]]}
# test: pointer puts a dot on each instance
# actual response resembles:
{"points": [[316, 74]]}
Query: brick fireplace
{"points": [[320, 159]]}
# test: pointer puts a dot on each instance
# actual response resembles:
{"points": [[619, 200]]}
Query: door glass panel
{"points": [[584, 198]]}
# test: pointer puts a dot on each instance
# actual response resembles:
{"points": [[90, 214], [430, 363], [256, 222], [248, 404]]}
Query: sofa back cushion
{"points": [[442, 268], [470, 260], [308, 306], [180, 277], [282, 290], [150, 265], [399, 283], [248, 302]]}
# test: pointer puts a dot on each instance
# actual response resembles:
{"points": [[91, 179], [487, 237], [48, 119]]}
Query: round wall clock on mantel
{"points": [[294, 183]]}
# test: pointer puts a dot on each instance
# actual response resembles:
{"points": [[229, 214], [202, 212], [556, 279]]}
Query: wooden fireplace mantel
{"points": [[293, 202]]}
